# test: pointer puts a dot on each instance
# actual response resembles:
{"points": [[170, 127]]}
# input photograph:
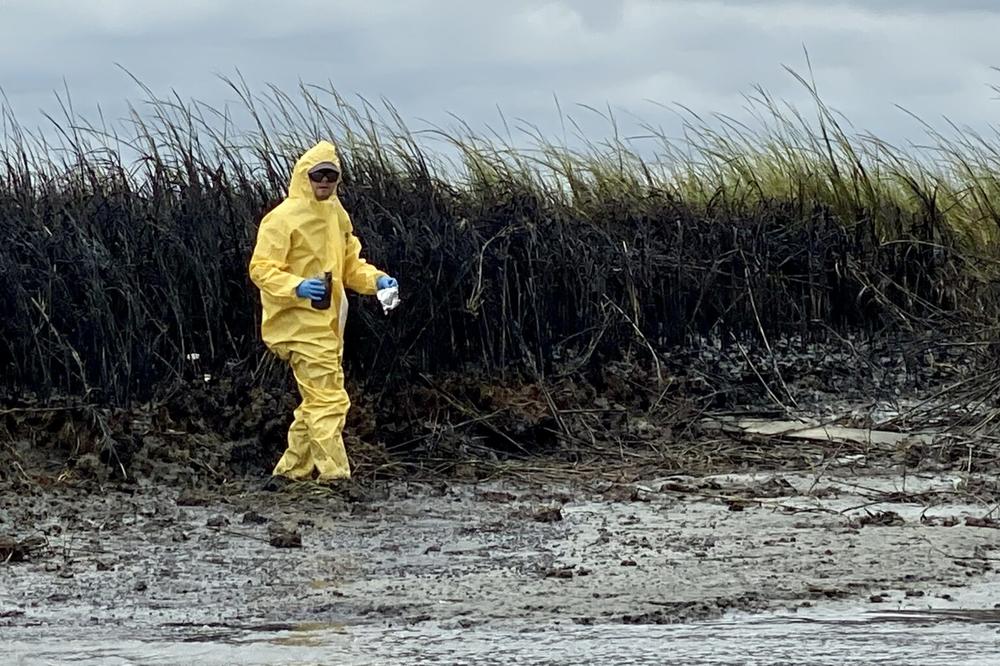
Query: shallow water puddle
{"points": [[910, 636]]}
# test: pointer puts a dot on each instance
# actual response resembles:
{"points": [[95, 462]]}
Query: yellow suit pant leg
{"points": [[297, 461], [323, 411]]}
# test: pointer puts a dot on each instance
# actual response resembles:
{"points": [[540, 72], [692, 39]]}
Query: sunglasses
{"points": [[324, 174]]}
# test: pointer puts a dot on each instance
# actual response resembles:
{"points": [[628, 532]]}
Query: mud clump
{"points": [[547, 515], [673, 612], [253, 518], [284, 537], [560, 572], [973, 521], [189, 497], [20, 550], [879, 519]]}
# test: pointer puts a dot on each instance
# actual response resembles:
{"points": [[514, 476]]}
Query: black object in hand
{"points": [[324, 303]]}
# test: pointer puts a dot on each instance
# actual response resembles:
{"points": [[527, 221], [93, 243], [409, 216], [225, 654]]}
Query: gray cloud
{"points": [[432, 57]]}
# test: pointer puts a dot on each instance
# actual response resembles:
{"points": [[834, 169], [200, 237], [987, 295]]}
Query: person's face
{"points": [[324, 183]]}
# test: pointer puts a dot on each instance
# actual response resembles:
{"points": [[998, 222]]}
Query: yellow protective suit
{"points": [[303, 238]]}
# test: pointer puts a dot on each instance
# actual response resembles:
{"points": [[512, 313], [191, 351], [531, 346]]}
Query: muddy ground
{"points": [[155, 563], [639, 519]]}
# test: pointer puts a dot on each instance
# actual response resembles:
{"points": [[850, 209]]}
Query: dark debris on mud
{"points": [[284, 537], [673, 612], [467, 427], [19, 550]]}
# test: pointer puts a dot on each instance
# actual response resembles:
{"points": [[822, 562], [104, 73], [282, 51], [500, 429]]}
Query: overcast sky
{"points": [[435, 57]]}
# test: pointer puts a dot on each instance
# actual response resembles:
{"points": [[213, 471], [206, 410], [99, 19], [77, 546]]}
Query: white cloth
{"points": [[343, 309], [389, 298]]}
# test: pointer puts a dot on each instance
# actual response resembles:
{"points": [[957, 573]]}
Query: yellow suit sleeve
{"points": [[269, 265], [359, 275]]}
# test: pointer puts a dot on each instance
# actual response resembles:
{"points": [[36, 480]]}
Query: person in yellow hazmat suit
{"points": [[307, 253]]}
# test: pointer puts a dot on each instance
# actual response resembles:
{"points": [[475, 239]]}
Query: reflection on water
{"points": [[927, 638]]}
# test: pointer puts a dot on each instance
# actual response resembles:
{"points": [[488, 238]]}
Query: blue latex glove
{"points": [[313, 289], [385, 282]]}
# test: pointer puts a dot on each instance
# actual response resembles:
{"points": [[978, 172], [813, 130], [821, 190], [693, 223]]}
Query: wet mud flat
{"points": [[448, 572]]}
